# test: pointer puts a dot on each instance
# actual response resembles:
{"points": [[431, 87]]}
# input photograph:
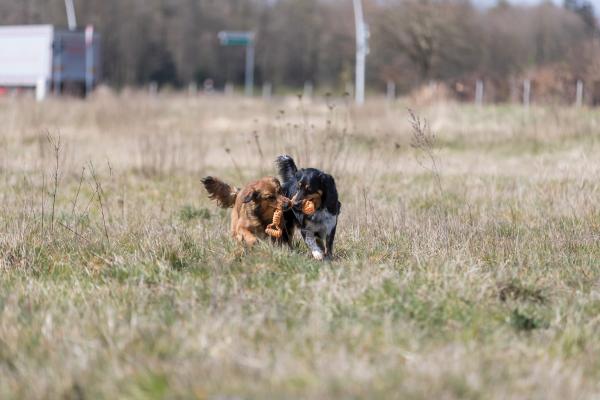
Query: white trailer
{"points": [[42, 57]]}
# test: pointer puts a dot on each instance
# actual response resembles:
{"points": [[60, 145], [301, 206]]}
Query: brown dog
{"points": [[253, 206]]}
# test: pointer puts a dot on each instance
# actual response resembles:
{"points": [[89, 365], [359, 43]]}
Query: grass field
{"points": [[467, 266]]}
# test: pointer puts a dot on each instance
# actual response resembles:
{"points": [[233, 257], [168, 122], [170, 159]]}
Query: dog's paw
{"points": [[318, 255]]}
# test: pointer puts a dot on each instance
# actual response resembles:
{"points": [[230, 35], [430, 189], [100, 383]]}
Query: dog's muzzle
{"points": [[286, 204], [296, 201]]}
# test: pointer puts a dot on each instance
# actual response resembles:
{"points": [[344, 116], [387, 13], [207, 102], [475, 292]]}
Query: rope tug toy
{"points": [[274, 229]]}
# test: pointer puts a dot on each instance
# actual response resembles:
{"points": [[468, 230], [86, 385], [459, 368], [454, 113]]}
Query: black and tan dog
{"points": [[253, 206], [318, 230]]}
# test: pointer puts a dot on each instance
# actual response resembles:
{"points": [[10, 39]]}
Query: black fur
{"points": [[286, 168], [299, 183]]}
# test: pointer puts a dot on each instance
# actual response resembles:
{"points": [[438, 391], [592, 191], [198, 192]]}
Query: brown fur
{"points": [[253, 206], [219, 191]]}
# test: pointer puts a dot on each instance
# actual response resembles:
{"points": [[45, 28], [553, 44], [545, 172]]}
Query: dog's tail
{"points": [[221, 192], [286, 166]]}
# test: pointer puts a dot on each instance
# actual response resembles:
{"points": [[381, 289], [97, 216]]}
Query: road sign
{"points": [[231, 38]]}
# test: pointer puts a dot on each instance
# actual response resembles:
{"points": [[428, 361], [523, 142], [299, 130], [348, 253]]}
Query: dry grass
{"points": [[478, 278]]}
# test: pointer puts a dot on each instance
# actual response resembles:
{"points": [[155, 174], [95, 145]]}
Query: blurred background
{"points": [[550, 49], [467, 255]]}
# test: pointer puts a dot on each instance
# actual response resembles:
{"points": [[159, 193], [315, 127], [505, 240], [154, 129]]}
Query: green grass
{"points": [[486, 286]]}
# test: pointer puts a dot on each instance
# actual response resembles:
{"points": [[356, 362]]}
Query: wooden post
{"points": [[40, 89], [526, 92], [153, 88], [267, 90], [579, 94], [228, 89], [350, 90], [479, 92], [308, 90], [514, 90], [595, 93], [391, 91], [192, 89]]}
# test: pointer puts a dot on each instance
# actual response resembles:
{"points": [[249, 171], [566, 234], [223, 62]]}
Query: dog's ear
{"points": [[276, 183], [250, 196], [330, 194]]}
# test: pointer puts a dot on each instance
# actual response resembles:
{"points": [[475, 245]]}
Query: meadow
{"points": [[467, 252]]}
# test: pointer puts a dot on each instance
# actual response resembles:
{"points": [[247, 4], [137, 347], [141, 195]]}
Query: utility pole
{"points": [[71, 17], [362, 49]]}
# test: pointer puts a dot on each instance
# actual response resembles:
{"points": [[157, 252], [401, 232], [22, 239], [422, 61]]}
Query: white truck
{"points": [[43, 57]]}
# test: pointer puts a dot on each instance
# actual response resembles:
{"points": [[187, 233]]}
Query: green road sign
{"points": [[246, 39], [229, 38]]}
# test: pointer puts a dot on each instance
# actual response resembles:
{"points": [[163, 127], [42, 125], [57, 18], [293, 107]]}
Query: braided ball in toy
{"points": [[274, 229], [308, 207]]}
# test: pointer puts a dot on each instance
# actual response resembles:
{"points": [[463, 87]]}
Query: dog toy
{"points": [[274, 229], [308, 207]]}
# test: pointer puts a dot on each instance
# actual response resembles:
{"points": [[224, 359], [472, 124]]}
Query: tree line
{"points": [[174, 42]]}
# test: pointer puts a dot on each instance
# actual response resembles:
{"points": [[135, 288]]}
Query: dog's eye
{"points": [[271, 197]]}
